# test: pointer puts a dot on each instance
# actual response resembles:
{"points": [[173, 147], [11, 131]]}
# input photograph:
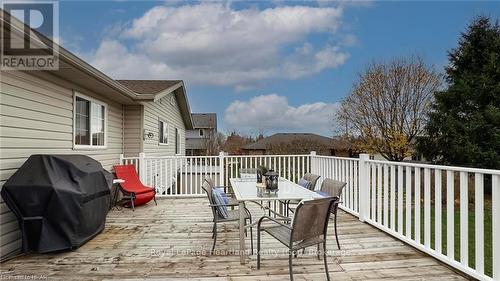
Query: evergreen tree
{"points": [[464, 125]]}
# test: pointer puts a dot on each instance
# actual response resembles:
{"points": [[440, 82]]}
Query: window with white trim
{"points": [[89, 122], [201, 132], [162, 132]]}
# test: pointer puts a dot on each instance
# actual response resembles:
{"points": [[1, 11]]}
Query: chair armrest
{"points": [[273, 220], [218, 205]]}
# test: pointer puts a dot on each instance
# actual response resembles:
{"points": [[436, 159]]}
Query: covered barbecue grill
{"points": [[60, 201]]}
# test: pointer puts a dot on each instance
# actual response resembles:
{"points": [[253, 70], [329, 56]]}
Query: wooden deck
{"points": [[171, 241]]}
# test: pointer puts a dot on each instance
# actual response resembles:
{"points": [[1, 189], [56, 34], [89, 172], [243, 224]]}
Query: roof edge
{"points": [[69, 57], [188, 118], [167, 91]]}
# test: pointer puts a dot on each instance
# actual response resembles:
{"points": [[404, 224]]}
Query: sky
{"points": [[263, 67]]}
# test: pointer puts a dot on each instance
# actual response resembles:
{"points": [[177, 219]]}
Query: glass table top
{"points": [[245, 189]]}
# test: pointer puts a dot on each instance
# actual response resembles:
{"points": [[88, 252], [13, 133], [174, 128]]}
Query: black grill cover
{"points": [[60, 201]]}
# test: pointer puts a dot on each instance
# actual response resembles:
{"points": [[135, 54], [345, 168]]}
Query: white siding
{"points": [[36, 117], [172, 115]]}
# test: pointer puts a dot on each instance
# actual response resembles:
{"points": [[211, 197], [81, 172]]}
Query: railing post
{"points": [[313, 162], [364, 186], [121, 159], [221, 169], [142, 167], [495, 231]]}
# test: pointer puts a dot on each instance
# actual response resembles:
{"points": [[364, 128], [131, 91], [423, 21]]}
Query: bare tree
{"points": [[213, 142], [388, 106]]}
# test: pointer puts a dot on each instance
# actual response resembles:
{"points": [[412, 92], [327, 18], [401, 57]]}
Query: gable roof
{"points": [[265, 143], [154, 90], [205, 120], [149, 87]]}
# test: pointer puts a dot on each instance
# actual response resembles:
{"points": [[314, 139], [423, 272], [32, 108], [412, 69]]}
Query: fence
{"points": [[447, 212], [182, 176], [423, 204]]}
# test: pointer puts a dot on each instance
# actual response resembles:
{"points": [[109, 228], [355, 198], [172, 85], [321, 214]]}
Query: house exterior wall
{"points": [[36, 117], [170, 113], [195, 134], [164, 110], [132, 130]]}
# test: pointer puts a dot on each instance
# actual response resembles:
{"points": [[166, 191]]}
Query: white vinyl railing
{"points": [[177, 175], [444, 211], [291, 167], [341, 169], [183, 175], [440, 210]]}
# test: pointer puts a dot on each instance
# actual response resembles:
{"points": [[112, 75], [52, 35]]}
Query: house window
{"points": [[177, 141], [89, 123], [201, 132], [163, 132]]}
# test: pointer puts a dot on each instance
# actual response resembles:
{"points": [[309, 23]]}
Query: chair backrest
{"points": [[312, 178], [207, 187], [311, 218], [210, 181], [129, 175], [333, 187]]}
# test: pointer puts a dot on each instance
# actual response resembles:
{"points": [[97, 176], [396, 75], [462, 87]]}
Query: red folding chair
{"points": [[133, 188]]}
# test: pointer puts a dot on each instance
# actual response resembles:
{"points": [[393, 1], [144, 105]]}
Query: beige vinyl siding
{"points": [[36, 117], [132, 130], [172, 115]]}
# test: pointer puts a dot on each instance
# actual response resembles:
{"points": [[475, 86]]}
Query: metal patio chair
{"points": [[309, 177], [232, 200], [313, 179], [233, 215], [333, 188], [309, 227]]}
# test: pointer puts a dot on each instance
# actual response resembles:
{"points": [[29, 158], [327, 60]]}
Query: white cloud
{"points": [[213, 43], [274, 113]]}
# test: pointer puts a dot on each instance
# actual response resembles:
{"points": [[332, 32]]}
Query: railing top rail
{"points": [[179, 156], [267, 155], [336, 157], [439, 167]]}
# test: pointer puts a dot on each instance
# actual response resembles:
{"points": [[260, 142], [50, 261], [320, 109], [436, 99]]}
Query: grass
{"points": [[488, 255]]}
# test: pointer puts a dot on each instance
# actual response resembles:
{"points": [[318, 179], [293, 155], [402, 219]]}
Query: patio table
{"points": [[245, 190]]}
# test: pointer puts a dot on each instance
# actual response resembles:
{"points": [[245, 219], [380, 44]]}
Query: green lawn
{"points": [[471, 226]]}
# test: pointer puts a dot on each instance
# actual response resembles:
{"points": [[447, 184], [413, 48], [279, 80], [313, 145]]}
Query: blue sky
{"points": [[262, 66]]}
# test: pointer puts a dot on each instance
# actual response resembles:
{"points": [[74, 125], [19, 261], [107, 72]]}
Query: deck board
{"points": [[171, 241]]}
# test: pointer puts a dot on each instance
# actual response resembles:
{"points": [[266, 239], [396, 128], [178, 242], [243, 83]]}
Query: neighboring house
{"points": [[205, 129], [298, 143], [234, 143], [79, 110]]}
